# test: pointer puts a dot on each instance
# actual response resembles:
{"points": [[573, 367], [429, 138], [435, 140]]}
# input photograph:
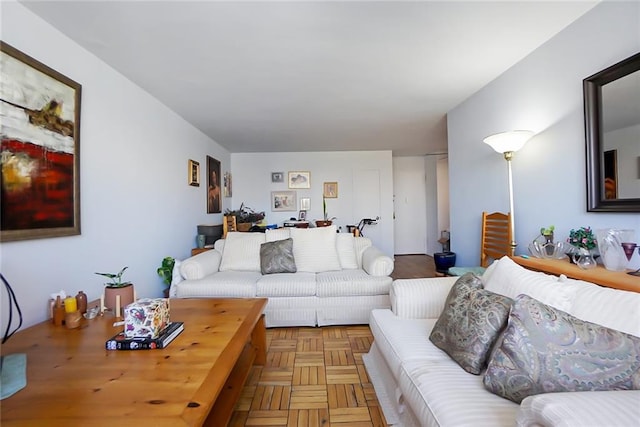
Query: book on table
{"points": [[168, 334]]}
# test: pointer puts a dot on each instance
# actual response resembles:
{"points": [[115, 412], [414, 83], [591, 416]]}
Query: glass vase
{"points": [[610, 247]]}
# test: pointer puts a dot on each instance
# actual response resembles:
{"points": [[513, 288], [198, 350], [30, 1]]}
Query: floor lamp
{"points": [[508, 143]]}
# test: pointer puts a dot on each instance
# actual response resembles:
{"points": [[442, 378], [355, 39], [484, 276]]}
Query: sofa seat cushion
{"points": [[232, 284], [351, 283], [443, 394], [287, 285], [400, 340]]}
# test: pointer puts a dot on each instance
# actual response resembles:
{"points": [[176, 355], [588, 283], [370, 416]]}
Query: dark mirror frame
{"points": [[592, 87]]}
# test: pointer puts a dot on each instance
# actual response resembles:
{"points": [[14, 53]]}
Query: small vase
{"points": [[585, 260]]}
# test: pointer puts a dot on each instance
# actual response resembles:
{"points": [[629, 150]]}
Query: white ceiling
{"points": [[313, 76]]}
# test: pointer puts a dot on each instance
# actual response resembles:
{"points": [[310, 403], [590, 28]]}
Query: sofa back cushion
{"points": [[510, 279], [544, 350], [608, 307], [314, 249], [275, 234], [346, 251], [242, 251]]}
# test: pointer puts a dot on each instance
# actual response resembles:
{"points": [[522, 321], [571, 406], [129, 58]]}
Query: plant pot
{"points": [[320, 223], [126, 297], [444, 261], [244, 226]]}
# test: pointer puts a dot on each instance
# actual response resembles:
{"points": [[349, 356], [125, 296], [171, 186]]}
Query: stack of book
{"points": [[168, 334]]}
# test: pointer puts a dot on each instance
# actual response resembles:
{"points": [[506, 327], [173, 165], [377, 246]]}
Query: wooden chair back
{"points": [[496, 237], [228, 224]]}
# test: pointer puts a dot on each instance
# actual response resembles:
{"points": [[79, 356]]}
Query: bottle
{"points": [[58, 312], [81, 298]]}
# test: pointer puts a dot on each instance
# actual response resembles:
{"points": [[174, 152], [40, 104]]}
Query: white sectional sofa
{"points": [[338, 278], [418, 384]]}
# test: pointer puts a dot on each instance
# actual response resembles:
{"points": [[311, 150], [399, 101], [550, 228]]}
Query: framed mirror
{"points": [[612, 132]]}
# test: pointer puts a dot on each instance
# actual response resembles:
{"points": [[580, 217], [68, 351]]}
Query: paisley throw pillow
{"points": [[544, 350], [277, 257], [470, 323]]}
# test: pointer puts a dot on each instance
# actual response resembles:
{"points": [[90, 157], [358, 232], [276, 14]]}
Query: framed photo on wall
{"points": [[214, 203], [227, 184], [277, 177], [299, 179], [40, 118], [194, 173], [283, 201], [330, 190]]}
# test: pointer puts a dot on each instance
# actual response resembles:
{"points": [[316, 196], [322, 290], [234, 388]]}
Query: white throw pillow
{"points": [[242, 252], [277, 234], [314, 249], [510, 279], [346, 251]]}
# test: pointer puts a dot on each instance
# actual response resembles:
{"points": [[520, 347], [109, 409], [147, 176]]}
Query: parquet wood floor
{"points": [[315, 376]]}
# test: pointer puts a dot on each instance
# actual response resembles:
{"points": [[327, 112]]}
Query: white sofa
{"points": [[339, 279], [419, 384]]}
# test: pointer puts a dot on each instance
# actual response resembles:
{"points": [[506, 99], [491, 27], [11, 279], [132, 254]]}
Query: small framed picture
{"points": [[277, 176], [305, 204], [227, 184], [194, 173], [299, 179], [283, 201], [330, 190], [302, 216]]}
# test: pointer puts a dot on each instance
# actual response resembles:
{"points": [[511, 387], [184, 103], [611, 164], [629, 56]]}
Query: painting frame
{"points": [[194, 173], [44, 105], [330, 190], [283, 201], [299, 179], [277, 177], [214, 199], [226, 185]]}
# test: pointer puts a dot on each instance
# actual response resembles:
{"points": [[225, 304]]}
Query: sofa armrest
{"points": [[586, 408], [201, 265], [376, 263], [420, 298]]}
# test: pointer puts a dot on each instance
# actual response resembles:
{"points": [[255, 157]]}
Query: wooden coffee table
{"points": [[196, 380]]}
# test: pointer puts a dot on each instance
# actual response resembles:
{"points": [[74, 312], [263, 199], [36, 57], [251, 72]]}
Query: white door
{"points": [[409, 189]]}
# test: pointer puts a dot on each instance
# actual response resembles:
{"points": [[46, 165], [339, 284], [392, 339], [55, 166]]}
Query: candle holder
{"points": [[628, 248]]}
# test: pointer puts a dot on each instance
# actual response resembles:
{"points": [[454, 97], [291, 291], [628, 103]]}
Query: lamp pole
{"points": [[507, 156]]}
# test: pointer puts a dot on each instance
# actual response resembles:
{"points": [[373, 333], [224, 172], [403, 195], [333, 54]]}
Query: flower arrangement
{"points": [[582, 238]]}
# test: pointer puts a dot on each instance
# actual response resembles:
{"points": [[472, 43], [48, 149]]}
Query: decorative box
{"points": [[146, 318]]}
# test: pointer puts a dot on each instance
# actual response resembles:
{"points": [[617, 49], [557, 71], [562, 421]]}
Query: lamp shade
{"points": [[509, 141]]}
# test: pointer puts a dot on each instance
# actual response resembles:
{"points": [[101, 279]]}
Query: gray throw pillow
{"points": [[544, 350], [470, 323], [277, 257]]}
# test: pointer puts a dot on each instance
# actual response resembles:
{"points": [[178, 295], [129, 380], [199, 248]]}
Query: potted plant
{"points": [[165, 271], [326, 222], [245, 216], [583, 241], [117, 287]]}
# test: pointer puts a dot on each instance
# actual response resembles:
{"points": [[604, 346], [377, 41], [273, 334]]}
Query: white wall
{"points": [[252, 185], [410, 205], [136, 206], [543, 93]]}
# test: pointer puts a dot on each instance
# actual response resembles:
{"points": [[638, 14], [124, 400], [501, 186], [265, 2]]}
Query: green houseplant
{"points": [[326, 221], [165, 271], [115, 288]]}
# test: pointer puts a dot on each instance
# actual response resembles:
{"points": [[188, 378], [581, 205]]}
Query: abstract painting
{"points": [[40, 151]]}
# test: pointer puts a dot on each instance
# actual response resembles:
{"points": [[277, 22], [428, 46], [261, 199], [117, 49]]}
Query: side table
{"points": [[196, 251]]}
